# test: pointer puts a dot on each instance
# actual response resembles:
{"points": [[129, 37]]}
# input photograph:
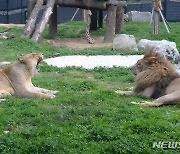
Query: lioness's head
{"points": [[151, 59], [31, 61]]}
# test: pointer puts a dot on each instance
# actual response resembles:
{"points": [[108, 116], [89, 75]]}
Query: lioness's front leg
{"points": [[4, 93], [31, 94], [42, 90], [45, 91], [128, 93]]}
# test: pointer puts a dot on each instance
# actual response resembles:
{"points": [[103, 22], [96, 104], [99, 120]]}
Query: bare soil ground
{"points": [[79, 43], [11, 25]]}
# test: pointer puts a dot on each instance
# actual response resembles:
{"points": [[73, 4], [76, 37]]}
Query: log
{"points": [[44, 20], [31, 22], [93, 25], [53, 24], [89, 4], [110, 24], [100, 20], [119, 19], [84, 4]]}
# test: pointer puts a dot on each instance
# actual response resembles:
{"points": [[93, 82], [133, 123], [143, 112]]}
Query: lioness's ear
{"points": [[21, 60]]}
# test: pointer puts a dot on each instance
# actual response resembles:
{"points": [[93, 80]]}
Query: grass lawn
{"points": [[86, 116]]}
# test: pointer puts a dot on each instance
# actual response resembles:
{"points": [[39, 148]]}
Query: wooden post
{"points": [[100, 19], [30, 24], [155, 17], [119, 19], [31, 4], [44, 20], [93, 25], [110, 23], [53, 23], [155, 22], [84, 14]]}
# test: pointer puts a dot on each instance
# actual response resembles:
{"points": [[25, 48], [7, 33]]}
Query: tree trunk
{"points": [[44, 20], [100, 20], [53, 23], [119, 19], [93, 25], [110, 24], [31, 4], [30, 24], [155, 22]]}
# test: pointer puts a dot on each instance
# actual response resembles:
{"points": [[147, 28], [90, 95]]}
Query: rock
{"points": [[124, 42], [139, 16], [164, 47], [169, 51], [148, 45]]}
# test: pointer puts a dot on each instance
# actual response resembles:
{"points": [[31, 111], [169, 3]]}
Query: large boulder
{"points": [[145, 44], [139, 16], [124, 42], [169, 51], [164, 47]]}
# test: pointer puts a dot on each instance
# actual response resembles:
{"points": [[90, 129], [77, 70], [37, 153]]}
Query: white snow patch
{"points": [[90, 62]]}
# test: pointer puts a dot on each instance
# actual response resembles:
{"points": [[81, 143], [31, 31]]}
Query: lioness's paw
{"points": [[2, 100], [55, 92], [52, 96]]}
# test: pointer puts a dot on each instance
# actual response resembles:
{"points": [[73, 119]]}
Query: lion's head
{"points": [[153, 69], [153, 61], [31, 61]]}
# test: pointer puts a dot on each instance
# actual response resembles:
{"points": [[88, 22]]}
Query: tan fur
{"points": [[152, 73], [16, 79]]}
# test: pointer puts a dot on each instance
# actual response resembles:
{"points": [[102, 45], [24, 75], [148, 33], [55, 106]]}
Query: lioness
{"points": [[16, 78], [156, 78]]}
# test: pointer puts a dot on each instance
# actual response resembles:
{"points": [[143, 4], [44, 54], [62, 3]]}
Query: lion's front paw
{"points": [[136, 103], [124, 92], [146, 103], [120, 92], [152, 104]]}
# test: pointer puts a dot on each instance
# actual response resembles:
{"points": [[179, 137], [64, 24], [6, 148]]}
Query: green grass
{"points": [[87, 116], [11, 49]]}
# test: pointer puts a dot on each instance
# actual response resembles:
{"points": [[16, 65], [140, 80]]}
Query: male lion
{"points": [[156, 78], [16, 78]]}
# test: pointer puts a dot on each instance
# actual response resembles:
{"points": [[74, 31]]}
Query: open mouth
{"points": [[37, 66]]}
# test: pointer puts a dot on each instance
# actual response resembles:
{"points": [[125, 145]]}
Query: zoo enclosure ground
{"points": [[86, 116]]}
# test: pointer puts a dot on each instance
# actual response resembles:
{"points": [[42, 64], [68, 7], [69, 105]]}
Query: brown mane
{"points": [[158, 71]]}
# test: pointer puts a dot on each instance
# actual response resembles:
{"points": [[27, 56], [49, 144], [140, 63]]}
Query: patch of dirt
{"points": [[79, 43], [11, 25]]}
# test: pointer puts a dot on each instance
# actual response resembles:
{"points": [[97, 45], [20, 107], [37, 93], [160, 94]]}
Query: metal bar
{"points": [[75, 14]]}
